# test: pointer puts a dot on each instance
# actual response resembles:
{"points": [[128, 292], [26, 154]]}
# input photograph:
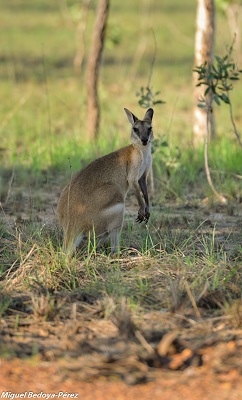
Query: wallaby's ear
{"points": [[131, 117], [149, 114]]}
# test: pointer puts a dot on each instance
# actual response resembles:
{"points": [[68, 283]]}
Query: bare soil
{"points": [[193, 383], [168, 356]]}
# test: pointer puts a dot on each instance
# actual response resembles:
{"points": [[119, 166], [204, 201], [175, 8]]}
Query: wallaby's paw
{"points": [[142, 218], [147, 216], [114, 256]]}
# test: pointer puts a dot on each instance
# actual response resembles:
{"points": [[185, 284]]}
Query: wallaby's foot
{"points": [[114, 256]]}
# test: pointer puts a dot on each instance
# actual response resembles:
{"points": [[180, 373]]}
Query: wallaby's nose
{"points": [[144, 141]]}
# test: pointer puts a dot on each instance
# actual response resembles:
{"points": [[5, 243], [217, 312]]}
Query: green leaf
{"points": [[225, 98], [212, 75], [158, 102], [207, 91], [202, 83], [216, 99]]}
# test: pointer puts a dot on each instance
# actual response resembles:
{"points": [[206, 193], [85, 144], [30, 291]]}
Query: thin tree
{"points": [[93, 110], [233, 11], [217, 82], [204, 49]]}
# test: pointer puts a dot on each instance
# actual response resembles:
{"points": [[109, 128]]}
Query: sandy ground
{"points": [[18, 376]]}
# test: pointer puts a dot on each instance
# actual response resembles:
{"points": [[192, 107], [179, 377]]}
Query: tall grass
{"points": [[144, 275]]}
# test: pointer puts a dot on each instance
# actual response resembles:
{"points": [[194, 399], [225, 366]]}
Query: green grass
{"points": [[185, 265], [144, 274]]}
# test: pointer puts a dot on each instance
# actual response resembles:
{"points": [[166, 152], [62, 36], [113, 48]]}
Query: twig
{"points": [[144, 343], [227, 173], [8, 272], [28, 255], [233, 123], [221, 198], [227, 92], [191, 321], [202, 292], [190, 295], [166, 342]]}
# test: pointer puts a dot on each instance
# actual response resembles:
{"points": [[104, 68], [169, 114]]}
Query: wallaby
{"points": [[94, 199]]}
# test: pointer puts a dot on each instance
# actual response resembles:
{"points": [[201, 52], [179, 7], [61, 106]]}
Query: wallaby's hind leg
{"points": [[102, 239], [114, 216], [115, 229], [78, 241], [114, 238]]}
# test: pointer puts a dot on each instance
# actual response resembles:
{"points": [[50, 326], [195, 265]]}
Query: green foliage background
{"points": [[43, 100]]}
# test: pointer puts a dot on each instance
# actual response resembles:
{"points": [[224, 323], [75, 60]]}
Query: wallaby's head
{"points": [[141, 129]]}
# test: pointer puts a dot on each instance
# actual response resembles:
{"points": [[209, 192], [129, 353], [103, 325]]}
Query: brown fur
{"points": [[95, 197]]}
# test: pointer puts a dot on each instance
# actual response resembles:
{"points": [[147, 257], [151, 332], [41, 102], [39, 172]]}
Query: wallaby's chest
{"points": [[145, 163]]}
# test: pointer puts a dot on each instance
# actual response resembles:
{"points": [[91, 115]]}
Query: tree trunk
{"points": [[204, 47], [93, 112]]}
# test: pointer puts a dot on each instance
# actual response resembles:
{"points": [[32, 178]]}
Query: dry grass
{"points": [[174, 289]]}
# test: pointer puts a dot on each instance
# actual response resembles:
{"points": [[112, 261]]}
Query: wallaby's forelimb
{"points": [[141, 212], [144, 190]]}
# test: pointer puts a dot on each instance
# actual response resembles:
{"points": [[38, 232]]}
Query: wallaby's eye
{"points": [[150, 129], [135, 130]]}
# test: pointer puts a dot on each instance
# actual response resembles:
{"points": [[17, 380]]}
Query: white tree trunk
{"points": [[204, 45]]}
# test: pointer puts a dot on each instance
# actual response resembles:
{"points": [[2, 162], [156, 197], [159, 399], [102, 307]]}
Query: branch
{"points": [[233, 123], [220, 197]]}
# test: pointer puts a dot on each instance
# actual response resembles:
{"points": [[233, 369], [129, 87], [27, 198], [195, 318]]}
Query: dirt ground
{"points": [[97, 362], [193, 384]]}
